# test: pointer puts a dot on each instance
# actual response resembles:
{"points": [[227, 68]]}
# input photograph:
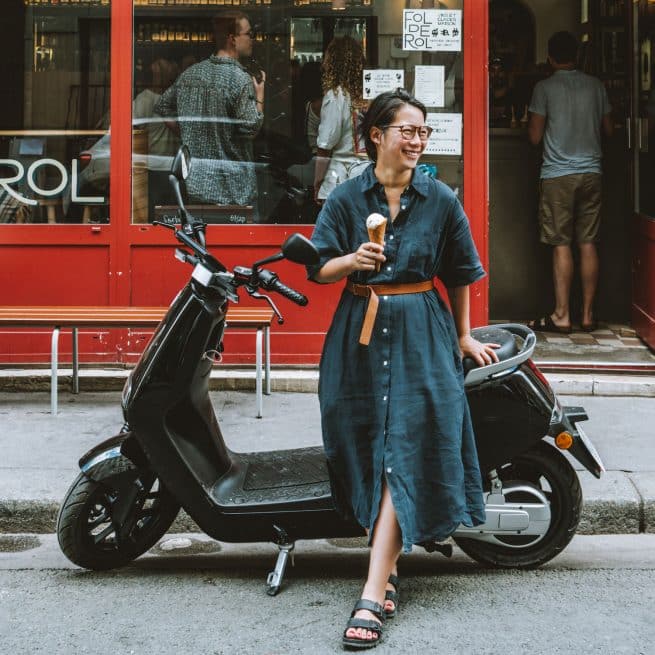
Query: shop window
{"points": [[254, 162], [54, 103]]}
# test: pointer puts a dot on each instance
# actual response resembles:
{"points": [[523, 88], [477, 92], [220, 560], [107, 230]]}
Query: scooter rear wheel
{"points": [[89, 530], [545, 468]]}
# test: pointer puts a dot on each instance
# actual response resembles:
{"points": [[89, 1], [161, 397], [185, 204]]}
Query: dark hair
{"points": [[382, 112], [310, 81], [226, 25], [563, 48]]}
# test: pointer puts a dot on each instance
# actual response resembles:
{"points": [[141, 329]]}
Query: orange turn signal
{"points": [[564, 440]]}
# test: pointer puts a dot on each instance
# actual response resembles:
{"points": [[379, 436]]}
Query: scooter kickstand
{"points": [[274, 580]]}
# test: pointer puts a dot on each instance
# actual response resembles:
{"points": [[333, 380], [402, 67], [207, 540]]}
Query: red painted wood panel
{"points": [[643, 278]]}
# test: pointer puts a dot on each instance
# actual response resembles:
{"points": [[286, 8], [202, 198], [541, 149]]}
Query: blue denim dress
{"points": [[396, 409]]}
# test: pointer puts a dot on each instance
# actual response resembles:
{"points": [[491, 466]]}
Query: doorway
{"points": [[521, 287]]}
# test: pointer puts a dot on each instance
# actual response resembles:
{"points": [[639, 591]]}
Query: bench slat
{"points": [[93, 316]]}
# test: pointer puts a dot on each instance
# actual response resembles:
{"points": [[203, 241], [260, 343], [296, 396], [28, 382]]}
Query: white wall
{"points": [[552, 16]]}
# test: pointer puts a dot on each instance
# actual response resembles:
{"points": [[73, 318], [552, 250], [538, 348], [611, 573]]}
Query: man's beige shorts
{"points": [[569, 203]]}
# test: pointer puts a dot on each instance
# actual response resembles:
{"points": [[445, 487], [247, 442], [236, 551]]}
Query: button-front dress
{"points": [[396, 410]]}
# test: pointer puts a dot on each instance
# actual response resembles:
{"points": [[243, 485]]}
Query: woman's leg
{"points": [[385, 550]]}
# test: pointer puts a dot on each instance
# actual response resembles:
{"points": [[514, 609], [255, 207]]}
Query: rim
{"points": [[101, 531], [527, 472]]}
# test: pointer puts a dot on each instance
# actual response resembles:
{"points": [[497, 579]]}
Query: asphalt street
{"points": [[596, 597]]}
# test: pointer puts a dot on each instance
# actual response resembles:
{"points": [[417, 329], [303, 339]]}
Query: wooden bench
{"points": [[74, 318]]}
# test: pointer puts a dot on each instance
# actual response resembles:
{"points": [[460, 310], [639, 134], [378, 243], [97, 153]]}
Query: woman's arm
{"points": [[364, 259], [482, 353], [322, 163]]}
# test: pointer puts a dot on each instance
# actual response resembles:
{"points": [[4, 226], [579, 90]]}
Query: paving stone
{"points": [[645, 484], [611, 504]]}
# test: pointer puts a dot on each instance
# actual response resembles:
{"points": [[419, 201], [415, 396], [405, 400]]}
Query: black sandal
{"points": [[546, 324], [393, 596], [366, 624]]}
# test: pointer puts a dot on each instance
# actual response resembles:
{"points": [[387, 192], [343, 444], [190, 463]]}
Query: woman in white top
{"points": [[340, 155]]}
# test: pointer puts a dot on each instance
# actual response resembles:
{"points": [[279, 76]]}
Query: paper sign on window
{"points": [[380, 80], [429, 85], [446, 138], [432, 29]]}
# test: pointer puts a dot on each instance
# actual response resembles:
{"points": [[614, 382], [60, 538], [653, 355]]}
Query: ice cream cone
{"points": [[376, 224]]}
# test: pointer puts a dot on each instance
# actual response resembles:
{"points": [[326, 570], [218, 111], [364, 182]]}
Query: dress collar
{"points": [[419, 182]]}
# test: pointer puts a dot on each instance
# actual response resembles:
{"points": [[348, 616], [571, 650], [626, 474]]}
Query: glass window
{"points": [[260, 90], [54, 103]]}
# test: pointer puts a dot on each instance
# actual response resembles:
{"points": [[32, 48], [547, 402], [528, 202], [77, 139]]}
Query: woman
{"points": [[396, 424], [339, 154]]}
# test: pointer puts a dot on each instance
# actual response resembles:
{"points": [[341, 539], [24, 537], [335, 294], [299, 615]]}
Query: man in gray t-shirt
{"points": [[568, 111]]}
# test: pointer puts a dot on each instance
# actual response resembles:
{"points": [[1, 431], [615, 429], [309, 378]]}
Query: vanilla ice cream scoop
{"points": [[376, 224]]}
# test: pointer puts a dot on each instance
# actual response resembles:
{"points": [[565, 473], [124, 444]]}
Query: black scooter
{"points": [[171, 454]]}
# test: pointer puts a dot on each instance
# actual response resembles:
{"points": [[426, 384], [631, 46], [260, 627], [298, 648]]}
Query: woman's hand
{"points": [[481, 353], [366, 256]]}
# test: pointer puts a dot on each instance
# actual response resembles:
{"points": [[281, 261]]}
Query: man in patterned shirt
{"points": [[218, 108]]}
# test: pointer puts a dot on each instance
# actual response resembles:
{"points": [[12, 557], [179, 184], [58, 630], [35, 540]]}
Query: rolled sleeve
{"points": [[250, 120], [166, 104], [329, 235], [329, 129], [538, 103], [460, 264]]}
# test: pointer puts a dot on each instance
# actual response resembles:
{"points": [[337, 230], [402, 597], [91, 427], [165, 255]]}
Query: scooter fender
{"points": [[101, 463], [582, 448]]}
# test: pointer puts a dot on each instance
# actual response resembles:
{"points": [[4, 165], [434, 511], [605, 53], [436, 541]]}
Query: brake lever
{"points": [[261, 296]]}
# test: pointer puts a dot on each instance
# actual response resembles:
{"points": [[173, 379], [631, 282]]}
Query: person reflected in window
{"points": [[340, 155], [219, 110], [162, 141]]}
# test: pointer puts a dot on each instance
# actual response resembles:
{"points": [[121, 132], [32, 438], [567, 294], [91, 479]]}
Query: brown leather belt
{"points": [[371, 291]]}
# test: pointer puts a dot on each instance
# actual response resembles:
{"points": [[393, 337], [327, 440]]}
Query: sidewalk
{"points": [[40, 452]]}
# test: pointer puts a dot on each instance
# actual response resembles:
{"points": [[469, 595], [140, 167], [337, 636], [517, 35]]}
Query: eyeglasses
{"points": [[250, 33], [408, 132]]}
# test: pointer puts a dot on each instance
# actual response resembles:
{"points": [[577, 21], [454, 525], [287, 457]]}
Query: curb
{"points": [[618, 503], [305, 381]]}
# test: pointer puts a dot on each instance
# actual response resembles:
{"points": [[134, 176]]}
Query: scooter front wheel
{"points": [[100, 527], [546, 469]]}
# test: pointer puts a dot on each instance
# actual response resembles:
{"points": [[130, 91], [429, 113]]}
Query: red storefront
{"points": [[67, 240]]}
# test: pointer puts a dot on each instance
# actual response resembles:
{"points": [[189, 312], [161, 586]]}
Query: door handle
{"points": [[628, 131]]}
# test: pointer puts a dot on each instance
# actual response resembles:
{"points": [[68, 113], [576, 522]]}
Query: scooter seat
{"points": [[491, 334]]}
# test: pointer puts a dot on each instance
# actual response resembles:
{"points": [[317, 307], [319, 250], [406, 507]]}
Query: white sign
{"points": [[432, 29], [446, 138], [429, 85], [380, 80], [30, 176]]}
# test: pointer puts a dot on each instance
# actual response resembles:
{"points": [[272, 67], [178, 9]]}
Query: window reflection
{"points": [[273, 160], [54, 104]]}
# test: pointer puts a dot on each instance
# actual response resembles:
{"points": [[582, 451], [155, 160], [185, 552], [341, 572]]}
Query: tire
{"points": [[86, 525], [547, 469]]}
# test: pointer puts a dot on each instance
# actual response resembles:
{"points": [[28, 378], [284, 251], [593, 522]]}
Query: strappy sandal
{"points": [[365, 624], [546, 324], [393, 596]]}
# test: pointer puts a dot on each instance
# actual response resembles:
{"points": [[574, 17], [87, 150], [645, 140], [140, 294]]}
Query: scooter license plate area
{"points": [[589, 446]]}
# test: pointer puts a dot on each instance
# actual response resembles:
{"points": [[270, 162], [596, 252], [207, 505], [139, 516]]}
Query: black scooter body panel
{"points": [[168, 408], [509, 414]]}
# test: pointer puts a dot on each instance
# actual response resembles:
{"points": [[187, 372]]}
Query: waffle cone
{"points": [[376, 235]]}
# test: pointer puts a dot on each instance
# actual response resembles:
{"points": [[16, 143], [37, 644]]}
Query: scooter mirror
{"points": [[299, 249], [181, 163]]}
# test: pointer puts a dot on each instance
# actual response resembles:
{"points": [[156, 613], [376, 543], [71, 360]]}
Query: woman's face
{"points": [[394, 150]]}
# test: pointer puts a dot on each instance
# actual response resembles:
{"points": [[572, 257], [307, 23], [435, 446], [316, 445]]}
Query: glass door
{"points": [[643, 265]]}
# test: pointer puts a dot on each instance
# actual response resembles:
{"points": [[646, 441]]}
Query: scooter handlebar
{"points": [[288, 292], [270, 281]]}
